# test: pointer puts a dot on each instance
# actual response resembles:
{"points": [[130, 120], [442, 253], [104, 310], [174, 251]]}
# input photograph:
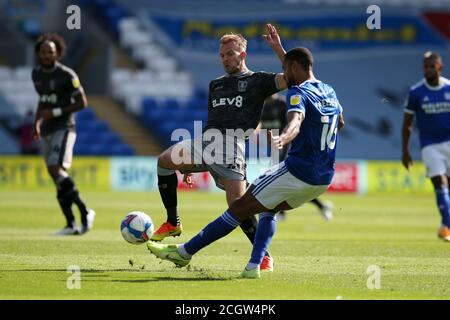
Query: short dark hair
{"points": [[56, 39], [302, 55]]}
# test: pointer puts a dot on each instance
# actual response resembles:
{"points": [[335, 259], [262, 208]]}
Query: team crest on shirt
{"points": [[242, 86], [447, 96], [51, 84]]}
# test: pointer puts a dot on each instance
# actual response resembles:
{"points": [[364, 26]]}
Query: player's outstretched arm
{"points": [[294, 121], [273, 40], [406, 135]]}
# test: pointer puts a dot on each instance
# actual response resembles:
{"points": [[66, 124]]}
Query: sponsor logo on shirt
{"points": [[49, 98], [235, 101], [294, 100]]}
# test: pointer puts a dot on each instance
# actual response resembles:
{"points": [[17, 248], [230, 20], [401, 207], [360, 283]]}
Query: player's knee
{"points": [[54, 171], [246, 207]]}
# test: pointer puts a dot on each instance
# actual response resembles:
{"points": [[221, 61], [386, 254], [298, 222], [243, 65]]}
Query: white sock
{"points": [[183, 253], [251, 266]]}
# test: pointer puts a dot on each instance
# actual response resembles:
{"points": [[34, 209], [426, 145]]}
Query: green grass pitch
{"points": [[314, 259]]}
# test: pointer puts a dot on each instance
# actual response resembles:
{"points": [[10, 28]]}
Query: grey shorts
{"points": [[224, 160], [58, 148]]}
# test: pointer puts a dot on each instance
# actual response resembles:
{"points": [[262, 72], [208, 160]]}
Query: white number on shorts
{"points": [[328, 133]]}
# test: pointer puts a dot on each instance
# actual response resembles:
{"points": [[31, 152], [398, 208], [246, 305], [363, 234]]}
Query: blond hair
{"points": [[238, 39]]}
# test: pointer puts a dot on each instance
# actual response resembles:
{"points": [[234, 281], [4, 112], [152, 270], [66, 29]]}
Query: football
{"points": [[137, 227]]}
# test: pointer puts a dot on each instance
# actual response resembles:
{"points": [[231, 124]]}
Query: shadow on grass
{"points": [[65, 270], [165, 278], [91, 274]]}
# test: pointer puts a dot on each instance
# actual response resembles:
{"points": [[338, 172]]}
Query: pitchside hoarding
{"points": [[139, 174], [30, 173]]}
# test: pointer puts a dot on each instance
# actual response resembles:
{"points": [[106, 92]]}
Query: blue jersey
{"points": [[313, 151], [431, 106]]}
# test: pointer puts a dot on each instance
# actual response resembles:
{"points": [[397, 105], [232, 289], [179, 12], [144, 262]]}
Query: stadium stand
{"points": [[17, 94], [18, 98], [168, 89], [372, 94]]}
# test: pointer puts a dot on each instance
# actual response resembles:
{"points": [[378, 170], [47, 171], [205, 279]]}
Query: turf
{"points": [[314, 259]]}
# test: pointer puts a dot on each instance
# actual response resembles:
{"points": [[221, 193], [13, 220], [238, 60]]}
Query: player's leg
{"points": [[58, 155], [167, 185], [324, 207], [87, 215], [235, 189], [435, 159], [172, 159], [440, 184], [59, 159], [281, 216], [58, 176], [317, 203], [239, 211], [267, 219], [277, 190], [259, 261]]}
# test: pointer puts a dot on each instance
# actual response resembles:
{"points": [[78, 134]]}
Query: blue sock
{"points": [[443, 202], [217, 229], [266, 229]]}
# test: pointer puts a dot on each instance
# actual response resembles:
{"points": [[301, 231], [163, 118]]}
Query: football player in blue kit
{"points": [[429, 102], [305, 174]]}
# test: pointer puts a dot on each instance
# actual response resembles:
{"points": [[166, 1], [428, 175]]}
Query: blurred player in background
{"points": [[313, 109], [60, 96], [429, 102], [274, 117], [235, 102]]}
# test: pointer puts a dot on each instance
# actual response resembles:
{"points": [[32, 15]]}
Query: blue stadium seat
{"points": [[122, 150], [110, 138], [85, 114], [84, 3], [171, 104], [98, 127], [113, 16], [94, 137], [200, 93], [81, 148], [149, 103], [153, 116], [198, 103], [103, 4], [32, 27]]}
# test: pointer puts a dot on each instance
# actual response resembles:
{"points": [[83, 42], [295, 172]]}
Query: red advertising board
{"points": [[345, 178], [200, 179]]}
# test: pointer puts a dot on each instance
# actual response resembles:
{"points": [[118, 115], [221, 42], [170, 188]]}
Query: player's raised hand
{"points": [[407, 160], [272, 38], [277, 141], [187, 178]]}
